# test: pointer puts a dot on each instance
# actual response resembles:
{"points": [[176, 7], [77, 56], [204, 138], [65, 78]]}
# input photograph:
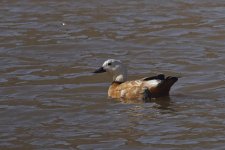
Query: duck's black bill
{"points": [[100, 70]]}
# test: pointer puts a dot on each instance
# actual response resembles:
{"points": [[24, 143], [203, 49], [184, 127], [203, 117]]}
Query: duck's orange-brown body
{"points": [[141, 90]]}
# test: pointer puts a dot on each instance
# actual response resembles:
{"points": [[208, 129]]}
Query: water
{"points": [[49, 99]]}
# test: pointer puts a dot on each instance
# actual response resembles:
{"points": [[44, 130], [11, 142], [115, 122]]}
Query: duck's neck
{"points": [[120, 77]]}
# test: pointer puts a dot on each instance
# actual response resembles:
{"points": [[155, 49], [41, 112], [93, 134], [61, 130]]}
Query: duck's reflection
{"points": [[155, 107], [163, 102]]}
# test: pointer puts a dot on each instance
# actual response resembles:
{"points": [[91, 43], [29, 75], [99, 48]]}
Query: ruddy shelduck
{"points": [[136, 90]]}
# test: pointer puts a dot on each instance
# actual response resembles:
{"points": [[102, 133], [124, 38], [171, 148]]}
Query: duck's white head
{"points": [[114, 67]]}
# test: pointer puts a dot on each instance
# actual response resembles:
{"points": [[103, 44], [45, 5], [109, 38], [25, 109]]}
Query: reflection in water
{"points": [[49, 99], [164, 103]]}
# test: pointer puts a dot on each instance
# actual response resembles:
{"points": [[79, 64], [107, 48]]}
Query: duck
{"points": [[140, 90]]}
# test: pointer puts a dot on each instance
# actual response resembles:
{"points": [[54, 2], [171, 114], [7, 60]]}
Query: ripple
{"points": [[50, 99], [104, 144]]}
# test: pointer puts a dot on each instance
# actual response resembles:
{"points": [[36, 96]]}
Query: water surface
{"points": [[49, 99]]}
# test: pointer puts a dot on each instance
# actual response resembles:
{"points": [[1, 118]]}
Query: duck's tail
{"points": [[167, 84]]}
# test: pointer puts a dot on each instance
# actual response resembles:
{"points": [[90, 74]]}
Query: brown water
{"points": [[50, 100]]}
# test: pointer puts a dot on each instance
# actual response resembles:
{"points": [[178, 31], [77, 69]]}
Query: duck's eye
{"points": [[109, 64]]}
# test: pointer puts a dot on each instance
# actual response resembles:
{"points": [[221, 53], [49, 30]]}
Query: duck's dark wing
{"points": [[162, 88]]}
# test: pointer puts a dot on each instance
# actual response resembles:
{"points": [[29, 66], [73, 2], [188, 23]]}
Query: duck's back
{"points": [[143, 89]]}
